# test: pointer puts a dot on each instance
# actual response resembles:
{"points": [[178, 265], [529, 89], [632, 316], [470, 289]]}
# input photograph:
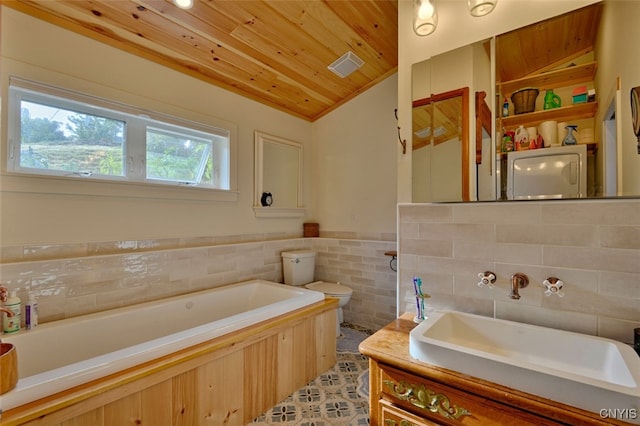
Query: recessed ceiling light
{"points": [[183, 4], [346, 64]]}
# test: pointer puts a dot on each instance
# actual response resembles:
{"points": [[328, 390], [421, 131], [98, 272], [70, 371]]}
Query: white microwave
{"points": [[547, 173]]}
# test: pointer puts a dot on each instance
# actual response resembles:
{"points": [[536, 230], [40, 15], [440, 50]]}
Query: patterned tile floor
{"points": [[338, 397]]}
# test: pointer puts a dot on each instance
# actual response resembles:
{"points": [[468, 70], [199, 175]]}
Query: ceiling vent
{"points": [[423, 133], [426, 132], [346, 64]]}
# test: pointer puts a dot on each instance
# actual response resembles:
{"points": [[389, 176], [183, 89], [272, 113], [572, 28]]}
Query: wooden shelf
{"points": [[550, 80], [591, 148], [566, 113]]}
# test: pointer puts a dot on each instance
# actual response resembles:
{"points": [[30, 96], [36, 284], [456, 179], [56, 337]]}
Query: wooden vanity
{"points": [[407, 392]]}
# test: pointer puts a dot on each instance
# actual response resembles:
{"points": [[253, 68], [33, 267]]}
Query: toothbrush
{"points": [[421, 299], [416, 280]]}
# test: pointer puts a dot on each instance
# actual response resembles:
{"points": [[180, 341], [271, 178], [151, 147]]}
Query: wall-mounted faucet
{"points": [[518, 281]]}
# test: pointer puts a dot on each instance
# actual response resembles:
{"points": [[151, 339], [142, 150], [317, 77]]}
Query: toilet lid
{"points": [[330, 289]]}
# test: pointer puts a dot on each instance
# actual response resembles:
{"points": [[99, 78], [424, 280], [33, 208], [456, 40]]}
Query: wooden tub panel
{"points": [[225, 381]]}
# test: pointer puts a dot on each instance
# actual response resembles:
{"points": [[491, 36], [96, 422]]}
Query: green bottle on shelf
{"points": [[551, 100]]}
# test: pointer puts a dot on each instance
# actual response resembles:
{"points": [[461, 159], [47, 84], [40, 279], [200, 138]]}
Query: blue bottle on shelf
{"points": [[570, 139]]}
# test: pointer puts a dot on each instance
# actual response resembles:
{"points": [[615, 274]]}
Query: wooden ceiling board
{"points": [[301, 60], [274, 52], [542, 46], [141, 44], [372, 27], [185, 48], [232, 63]]}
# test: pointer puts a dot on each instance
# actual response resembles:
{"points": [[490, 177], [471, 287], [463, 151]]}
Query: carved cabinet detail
{"points": [[407, 399]]}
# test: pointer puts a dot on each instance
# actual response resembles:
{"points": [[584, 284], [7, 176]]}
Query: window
{"points": [[61, 133]]}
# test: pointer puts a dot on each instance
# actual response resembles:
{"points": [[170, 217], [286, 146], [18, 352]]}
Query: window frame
{"points": [[136, 120]]}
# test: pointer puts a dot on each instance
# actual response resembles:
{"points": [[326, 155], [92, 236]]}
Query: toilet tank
{"points": [[298, 266]]}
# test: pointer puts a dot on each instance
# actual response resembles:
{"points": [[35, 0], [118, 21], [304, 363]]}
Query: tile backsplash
{"points": [[76, 279], [593, 246]]}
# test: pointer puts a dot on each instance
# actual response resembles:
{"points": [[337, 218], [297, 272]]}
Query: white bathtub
{"points": [[62, 354]]}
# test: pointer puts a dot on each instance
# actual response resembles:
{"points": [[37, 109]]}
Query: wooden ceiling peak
{"points": [[273, 51], [548, 44]]}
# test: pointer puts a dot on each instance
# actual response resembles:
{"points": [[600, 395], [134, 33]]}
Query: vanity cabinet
{"points": [[409, 399], [407, 392]]}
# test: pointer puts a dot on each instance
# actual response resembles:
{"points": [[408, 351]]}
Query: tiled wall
{"points": [[362, 266], [76, 279], [591, 245]]}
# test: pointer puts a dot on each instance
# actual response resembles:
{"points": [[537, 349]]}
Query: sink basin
{"points": [[588, 372]]}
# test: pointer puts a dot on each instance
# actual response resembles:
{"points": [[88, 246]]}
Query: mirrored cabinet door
{"points": [[278, 177]]}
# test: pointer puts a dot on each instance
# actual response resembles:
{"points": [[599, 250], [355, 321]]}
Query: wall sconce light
{"points": [[481, 7], [425, 17]]}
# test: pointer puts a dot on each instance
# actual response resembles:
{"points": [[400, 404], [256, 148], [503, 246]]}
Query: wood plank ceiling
{"points": [[274, 52], [545, 45]]}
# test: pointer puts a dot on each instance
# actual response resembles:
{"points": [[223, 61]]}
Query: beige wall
{"points": [[39, 51], [592, 246], [354, 184]]}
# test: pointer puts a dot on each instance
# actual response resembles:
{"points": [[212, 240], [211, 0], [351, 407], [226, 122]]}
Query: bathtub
{"points": [[63, 354]]}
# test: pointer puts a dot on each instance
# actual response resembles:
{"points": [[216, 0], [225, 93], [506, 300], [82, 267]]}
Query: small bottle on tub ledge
{"points": [[31, 312], [11, 324]]}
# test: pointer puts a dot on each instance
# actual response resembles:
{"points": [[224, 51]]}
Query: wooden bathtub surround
{"points": [[404, 391], [226, 381], [8, 367]]}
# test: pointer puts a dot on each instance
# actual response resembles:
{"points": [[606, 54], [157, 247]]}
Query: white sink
{"points": [[588, 372]]}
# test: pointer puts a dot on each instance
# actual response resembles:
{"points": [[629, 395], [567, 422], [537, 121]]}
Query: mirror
{"points": [[440, 144], [613, 162], [278, 177], [449, 175]]}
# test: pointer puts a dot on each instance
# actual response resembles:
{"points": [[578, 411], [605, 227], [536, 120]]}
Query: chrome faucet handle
{"points": [[487, 279], [554, 286]]}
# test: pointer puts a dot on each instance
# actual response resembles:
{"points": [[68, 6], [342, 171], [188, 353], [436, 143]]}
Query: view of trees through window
{"points": [[175, 157], [59, 139]]}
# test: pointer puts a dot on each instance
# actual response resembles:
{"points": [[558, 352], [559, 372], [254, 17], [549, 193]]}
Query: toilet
{"points": [[298, 267]]}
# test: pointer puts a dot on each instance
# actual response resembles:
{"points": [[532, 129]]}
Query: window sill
{"points": [[275, 213], [97, 188]]}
